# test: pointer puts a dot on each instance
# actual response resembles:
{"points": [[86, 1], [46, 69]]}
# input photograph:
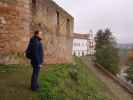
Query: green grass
{"points": [[58, 82], [8, 68], [15, 82], [70, 82]]}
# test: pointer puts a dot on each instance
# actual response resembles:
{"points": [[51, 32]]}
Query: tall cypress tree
{"points": [[106, 51]]}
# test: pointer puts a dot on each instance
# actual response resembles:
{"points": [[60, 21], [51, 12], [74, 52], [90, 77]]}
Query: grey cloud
{"points": [[99, 14]]}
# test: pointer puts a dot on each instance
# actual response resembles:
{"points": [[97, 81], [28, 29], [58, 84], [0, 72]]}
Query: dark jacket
{"points": [[35, 51]]}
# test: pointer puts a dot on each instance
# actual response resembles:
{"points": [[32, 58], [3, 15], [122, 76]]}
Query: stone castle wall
{"points": [[19, 18], [14, 25]]}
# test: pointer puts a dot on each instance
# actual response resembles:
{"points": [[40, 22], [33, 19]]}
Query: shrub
{"points": [[73, 72]]}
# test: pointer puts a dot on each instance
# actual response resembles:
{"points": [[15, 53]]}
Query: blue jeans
{"points": [[34, 78]]}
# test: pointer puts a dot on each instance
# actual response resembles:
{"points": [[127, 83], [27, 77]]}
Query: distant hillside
{"points": [[123, 52], [125, 46]]}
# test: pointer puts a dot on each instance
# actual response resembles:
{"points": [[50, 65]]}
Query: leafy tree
{"points": [[106, 51]]}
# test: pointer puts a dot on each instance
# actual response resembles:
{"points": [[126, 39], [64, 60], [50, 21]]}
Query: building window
{"points": [[74, 54], [47, 9], [33, 3], [34, 6], [83, 54], [68, 27], [58, 22]]}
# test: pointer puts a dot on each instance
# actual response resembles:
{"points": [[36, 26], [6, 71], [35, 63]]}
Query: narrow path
{"points": [[117, 91]]}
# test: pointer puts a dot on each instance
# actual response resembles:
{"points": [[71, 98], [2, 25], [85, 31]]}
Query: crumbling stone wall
{"points": [[14, 27], [53, 20], [19, 18]]}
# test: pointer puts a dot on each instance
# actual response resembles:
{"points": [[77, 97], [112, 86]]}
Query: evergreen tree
{"points": [[106, 51]]}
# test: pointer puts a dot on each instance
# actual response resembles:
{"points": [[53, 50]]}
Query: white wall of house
{"points": [[80, 47], [91, 45], [83, 46]]}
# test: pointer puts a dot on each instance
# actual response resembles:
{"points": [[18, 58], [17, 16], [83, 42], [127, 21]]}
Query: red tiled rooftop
{"points": [[81, 35]]}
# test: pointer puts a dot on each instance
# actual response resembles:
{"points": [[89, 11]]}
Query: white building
{"points": [[83, 44]]}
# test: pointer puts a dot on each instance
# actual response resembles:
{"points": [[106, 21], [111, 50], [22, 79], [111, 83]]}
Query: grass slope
{"points": [[70, 82], [58, 82]]}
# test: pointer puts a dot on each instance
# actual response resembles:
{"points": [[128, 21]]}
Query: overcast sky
{"points": [[99, 14]]}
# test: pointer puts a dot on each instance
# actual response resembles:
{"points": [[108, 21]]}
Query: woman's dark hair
{"points": [[36, 32]]}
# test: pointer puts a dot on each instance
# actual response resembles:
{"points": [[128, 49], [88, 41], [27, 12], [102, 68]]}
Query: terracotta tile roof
{"points": [[80, 36]]}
